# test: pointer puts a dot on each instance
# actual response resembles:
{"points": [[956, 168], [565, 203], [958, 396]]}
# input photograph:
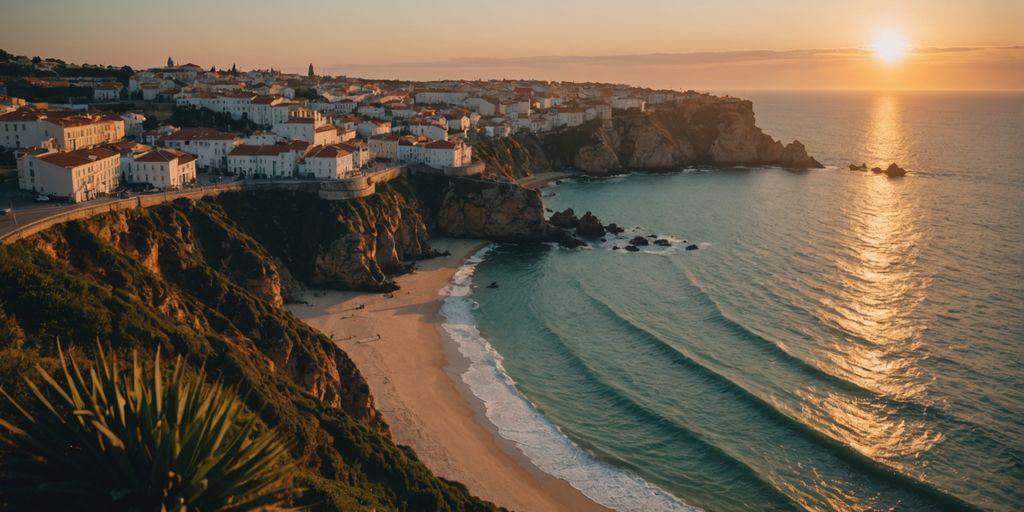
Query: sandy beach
{"points": [[413, 371]]}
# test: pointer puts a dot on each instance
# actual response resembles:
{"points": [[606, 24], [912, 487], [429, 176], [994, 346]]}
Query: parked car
{"points": [[42, 199], [5, 211]]}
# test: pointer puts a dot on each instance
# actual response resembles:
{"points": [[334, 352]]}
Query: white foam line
{"points": [[519, 421]]}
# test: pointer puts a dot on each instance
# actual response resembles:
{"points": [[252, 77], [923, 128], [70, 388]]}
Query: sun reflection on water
{"points": [[875, 306]]}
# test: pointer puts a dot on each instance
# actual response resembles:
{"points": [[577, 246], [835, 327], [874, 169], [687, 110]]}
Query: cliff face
{"points": [[463, 207], [206, 279], [703, 130], [511, 158], [714, 131], [337, 244]]}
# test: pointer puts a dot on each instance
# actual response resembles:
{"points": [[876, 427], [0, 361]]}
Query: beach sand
{"points": [[413, 370]]}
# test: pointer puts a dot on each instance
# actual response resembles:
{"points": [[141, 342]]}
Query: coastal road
{"points": [[24, 209]]}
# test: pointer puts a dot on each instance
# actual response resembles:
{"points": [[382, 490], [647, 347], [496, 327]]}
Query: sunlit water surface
{"points": [[840, 341]]}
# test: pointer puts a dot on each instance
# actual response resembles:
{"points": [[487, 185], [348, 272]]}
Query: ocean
{"points": [[839, 341]]}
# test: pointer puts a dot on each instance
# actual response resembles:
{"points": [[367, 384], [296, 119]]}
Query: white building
{"points": [[457, 123], [371, 127], [210, 147], [77, 175], [133, 124], [69, 130], [384, 146], [428, 129], [308, 129], [410, 150], [277, 161], [330, 162], [518, 106], [448, 97], [483, 106], [150, 91], [128, 150], [568, 116], [107, 91], [441, 154], [629, 102], [163, 168]]}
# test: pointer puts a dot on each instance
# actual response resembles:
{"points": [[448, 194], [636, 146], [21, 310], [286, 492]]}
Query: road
{"points": [[25, 210]]}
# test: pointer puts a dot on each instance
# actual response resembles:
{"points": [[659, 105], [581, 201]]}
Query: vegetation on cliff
{"points": [[511, 158], [133, 440], [201, 280]]}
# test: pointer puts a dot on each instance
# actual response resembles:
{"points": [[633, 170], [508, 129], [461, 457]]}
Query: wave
{"points": [[519, 421], [850, 454]]}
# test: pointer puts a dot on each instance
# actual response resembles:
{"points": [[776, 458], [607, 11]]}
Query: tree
{"points": [[311, 69], [213, 69], [234, 70], [170, 62], [137, 440], [36, 60]]}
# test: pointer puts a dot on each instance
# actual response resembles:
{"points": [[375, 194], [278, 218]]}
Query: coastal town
{"points": [[76, 133]]}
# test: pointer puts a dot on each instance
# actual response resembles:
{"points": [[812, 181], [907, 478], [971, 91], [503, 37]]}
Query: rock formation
{"points": [[590, 226], [700, 130], [565, 219], [894, 171]]}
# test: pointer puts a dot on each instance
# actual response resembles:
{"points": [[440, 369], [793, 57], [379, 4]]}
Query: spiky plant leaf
{"points": [[138, 440]]}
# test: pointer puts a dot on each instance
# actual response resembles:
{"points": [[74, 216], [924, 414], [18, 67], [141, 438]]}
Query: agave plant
{"points": [[138, 441]]}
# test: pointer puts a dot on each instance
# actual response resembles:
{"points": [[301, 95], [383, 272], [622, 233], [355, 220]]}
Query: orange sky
{"points": [[727, 44]]}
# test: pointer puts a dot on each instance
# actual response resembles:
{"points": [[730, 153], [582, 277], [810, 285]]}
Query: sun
{"points": [[890, 46]]}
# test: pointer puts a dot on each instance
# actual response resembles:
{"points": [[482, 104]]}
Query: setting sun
{"points": [[890, 46]]}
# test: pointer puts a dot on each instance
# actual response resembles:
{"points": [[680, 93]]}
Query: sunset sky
{"points": [[732, 44]]}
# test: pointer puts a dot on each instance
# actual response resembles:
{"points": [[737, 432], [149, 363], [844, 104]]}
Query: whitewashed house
{"points": [[210, 147], [276, 161], [428, 129], [107, 91], [77, 175], [69, 130], [371, 127], [163, 168], [441, 154], [330, 162]]}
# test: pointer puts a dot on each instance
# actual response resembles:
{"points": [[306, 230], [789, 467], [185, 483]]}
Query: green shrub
{"points": [[104, 440]]}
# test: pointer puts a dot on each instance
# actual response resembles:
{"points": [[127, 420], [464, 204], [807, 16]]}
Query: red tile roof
{"points": [[269, 150], [328, 151], [198, 134], [165, 155], [78, 158], [441, 144]]}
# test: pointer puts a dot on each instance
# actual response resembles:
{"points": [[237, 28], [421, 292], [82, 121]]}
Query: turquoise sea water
{"points": [[840, 341]]}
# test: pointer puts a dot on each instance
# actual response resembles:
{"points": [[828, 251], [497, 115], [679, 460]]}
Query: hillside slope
{"points": [[206, 279]]}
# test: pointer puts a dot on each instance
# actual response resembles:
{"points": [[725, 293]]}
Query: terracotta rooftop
{"points": [[78, 158], [441, 144], [165, 155], [198, 134], [328, 151]]}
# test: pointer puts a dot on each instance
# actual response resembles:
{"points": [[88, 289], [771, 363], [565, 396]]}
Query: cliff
{"points": [[206, 279], [465, 207], [511, 158], [703, 130]]}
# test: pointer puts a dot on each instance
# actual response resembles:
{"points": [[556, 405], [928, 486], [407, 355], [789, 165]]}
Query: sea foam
{"points": [[519, 421]]}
